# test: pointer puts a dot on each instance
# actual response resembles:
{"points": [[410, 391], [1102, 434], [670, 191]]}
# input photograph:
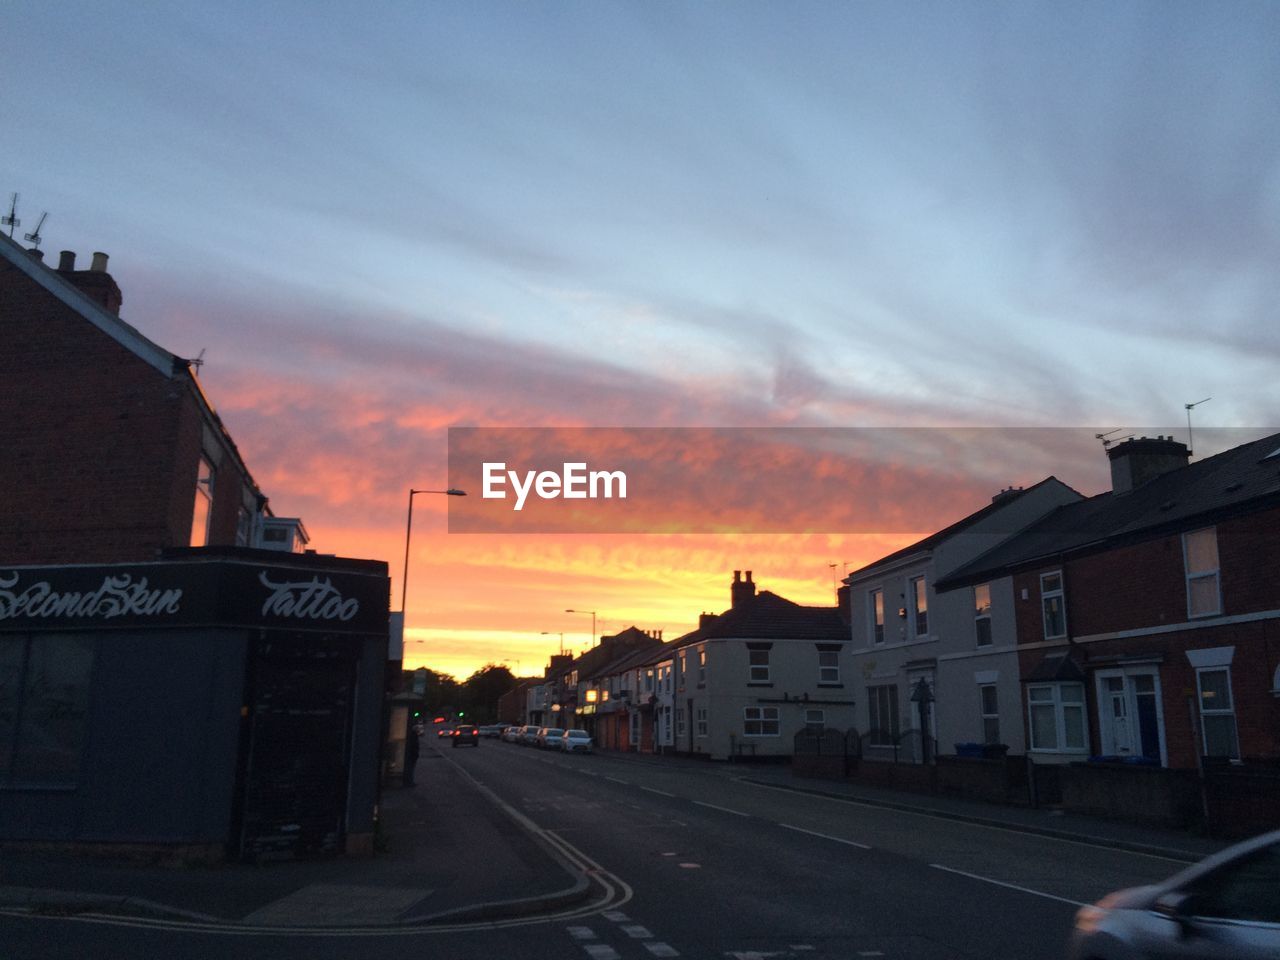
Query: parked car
{"points": [[466, 733], [549, 737], [576, 741], [529, 735], [492, 730], [1224, 908], [512, 734]]}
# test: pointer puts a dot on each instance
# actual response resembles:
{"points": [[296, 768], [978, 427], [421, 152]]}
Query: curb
{"points": [[1168, 853]]}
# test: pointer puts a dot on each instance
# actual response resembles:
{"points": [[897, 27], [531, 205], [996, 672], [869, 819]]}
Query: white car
{"points": [[576, 741], [549, 737], [1224, 908]]}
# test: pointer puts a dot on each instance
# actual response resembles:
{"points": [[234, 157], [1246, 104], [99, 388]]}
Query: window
{"points": [[1217, 713], [1200, 551], [702, 666], [990, 705], [876, 605], [1054, 605], [684, 669], [203, 505], [44, 702], [758, 657], [815, 721], [882, 708], [829, 664], [648, 681], [244, 527], [760, 721], [1243, 889], [982, 614], [1056, 712], [679, 721], [702, 721], [919, 606]]}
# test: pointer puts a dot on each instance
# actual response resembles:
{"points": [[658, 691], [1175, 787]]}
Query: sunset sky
{"points": [[377, 222]]}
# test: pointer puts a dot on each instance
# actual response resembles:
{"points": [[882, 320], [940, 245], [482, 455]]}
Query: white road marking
{"points": [[870, 953], [670, 854], [617, 916], [661, 793], [601, 951], [660, 949], [625, 783], [736, 813], [802, 946], [637, 932], [825, 836], [1011, 886], [691, 866], [582, 933]]}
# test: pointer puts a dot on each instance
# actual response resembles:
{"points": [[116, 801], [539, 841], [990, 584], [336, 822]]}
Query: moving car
{"points": [[466, 733], [576, 741], [549, 737], [444, 730], [1224, 908]]}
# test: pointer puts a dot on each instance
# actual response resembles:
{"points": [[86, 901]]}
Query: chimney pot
{"points": [[99, 264], [67, 260], [36, 253], [748, 576], [737, 576]]}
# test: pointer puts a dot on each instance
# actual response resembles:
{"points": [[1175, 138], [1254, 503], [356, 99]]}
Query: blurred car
{"points": [[529, 735], [512, 734], [492, 730], [1224, 908], [466, 733], [549, 737], [444, 730], [576, 741]]}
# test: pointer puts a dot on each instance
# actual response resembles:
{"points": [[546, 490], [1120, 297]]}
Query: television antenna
{"points": [[11, 220], [34, 236], [1107, 438], [1190, 407]]}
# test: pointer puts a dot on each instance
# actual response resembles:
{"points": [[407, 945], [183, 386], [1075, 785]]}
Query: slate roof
{"points": [[934, 539], [1242, 480]]}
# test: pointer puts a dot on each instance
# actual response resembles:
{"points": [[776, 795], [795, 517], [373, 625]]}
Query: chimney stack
{"points": [[742, 591], [99, 264], [95, 283], [67, 261], [1134, 462]]}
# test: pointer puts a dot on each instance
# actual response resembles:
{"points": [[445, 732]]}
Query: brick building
{"points": [[164, 683], [1148, 617], [112, 450]]}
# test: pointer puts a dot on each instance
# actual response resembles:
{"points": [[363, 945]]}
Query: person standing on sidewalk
{"points": [[411, 747]]}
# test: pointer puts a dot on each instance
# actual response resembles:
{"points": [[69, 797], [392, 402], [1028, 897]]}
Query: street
{"points": [[694, 860]]}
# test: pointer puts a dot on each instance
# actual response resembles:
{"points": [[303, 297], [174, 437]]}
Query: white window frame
{"points": [[206, 475], [1207, 574], [828, 673], [701, 715], [758, 672], [702, 666], [876, 711], [815, 718], [680, 721], [1060, 706], [765, 717], [1224, 669], [1060, 594], [982, 615], [918, 593], [989, 716], [875, 610]]}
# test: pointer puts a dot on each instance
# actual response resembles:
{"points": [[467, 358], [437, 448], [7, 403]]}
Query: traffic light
{"points": [[461, 714]]}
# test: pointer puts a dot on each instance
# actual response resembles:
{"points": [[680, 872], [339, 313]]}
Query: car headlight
{"points": [[1089, 918]]}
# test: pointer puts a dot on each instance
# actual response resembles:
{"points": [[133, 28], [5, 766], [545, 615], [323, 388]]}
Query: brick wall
{"points": [[100, 447]]}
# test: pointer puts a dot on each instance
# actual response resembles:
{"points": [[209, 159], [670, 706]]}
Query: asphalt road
{"points": [[695, 862]]}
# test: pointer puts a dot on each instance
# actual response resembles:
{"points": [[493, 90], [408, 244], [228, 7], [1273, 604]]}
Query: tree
{"points": [[481, 691]]}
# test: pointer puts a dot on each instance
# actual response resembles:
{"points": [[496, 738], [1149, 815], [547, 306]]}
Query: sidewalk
{"points": [[436, 833]]}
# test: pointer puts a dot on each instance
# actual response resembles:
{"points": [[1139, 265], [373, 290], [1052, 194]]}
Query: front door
{"points": [[1130, 715]]}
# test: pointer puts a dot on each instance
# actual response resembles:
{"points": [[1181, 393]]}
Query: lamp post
{"points": [[408, 531], [552, 633], [593, 622]]}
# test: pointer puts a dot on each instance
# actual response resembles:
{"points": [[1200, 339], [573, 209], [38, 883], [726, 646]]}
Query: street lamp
{"points": [[408, 531], [552, 633], [593, 622]]}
